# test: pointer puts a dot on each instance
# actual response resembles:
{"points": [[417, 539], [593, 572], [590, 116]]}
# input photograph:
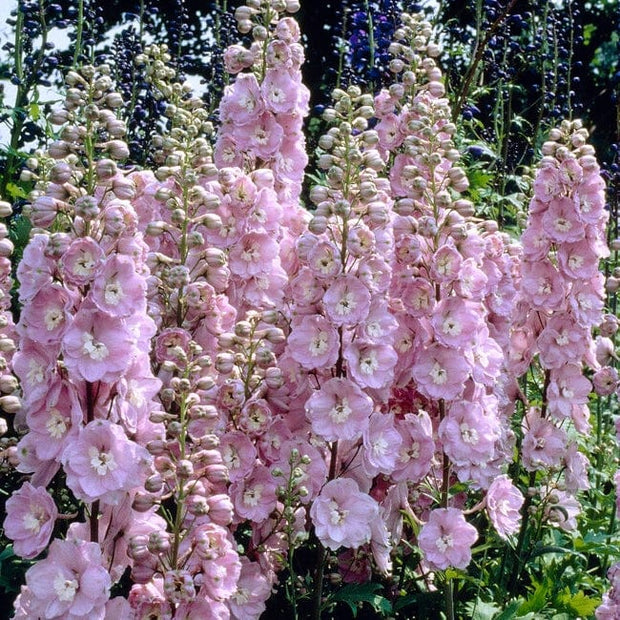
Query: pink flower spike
{"points": [[446, 539]]}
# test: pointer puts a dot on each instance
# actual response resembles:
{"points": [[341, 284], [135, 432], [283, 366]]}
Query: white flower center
{"points": [[32, 522], [101, 462], [318, 344], [53, 318], [36, 372], [84, 265], [444, 542], [250, 254], [438, 374], [563, 225], [65, 588], [56, 424], [95, 350], [451, 327], [468, 434], [113, 292], [336, 514], [340, 411], [346, 304], [252, 496], [379, 445], [369, 363]]}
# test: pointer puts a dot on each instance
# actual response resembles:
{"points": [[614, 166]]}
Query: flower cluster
{"points": [[560, 303]]}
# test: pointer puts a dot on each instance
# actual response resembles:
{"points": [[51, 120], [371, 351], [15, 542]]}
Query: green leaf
{"points": [[15, 191], [480, 610], [579, 603], [536, 601], [354, 593]]}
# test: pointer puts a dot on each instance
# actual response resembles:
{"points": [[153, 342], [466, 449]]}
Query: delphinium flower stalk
{"points": [[451, 288], [341, 337], [560, 303], [262, 111], [82, 359]]}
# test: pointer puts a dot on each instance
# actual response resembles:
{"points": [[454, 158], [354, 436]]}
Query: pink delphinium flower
{"points": [[446, 539], [103, 463], [70, 583], [30, 516], [254, 496], [544, 443], [347, 301], [253, 589], [440, 372], [82, 261], [314, 342], [371, 365], [97, 346], [503, 502], [119, 290], [339, 410], [382, 444], [342, 515], [415, 457]]}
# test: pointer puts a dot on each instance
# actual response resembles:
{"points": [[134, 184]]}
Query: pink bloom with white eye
{"points": [[370, 365], [547, 183], [375, 273], [314, 342], [253, 589], [119, 290], [57, 421], [238, 454], [544, 444], [226, 152], [446, 539], [242, 102], [570, 172], [347, 301], [440, 373], [567, 387], [45, 317], [30, 517], [35, 365], [468, 434], [103, 464], [471, 281], [279, 92], [562, 342], [263, 136], [503, 503], [382, 444], [578, 260], [255, 417], [418, 297], [70, 583], [541, 285], [82, 261], [586, 301], [339, 410], [324, 260], [445, 264], [97, 346], [254, 496], [561, 221], [456, 321], [380, 324], [388, 129], [342, 515], [415, 456], [220, 576], [253, 254], [535, 240], [591, 196]]}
